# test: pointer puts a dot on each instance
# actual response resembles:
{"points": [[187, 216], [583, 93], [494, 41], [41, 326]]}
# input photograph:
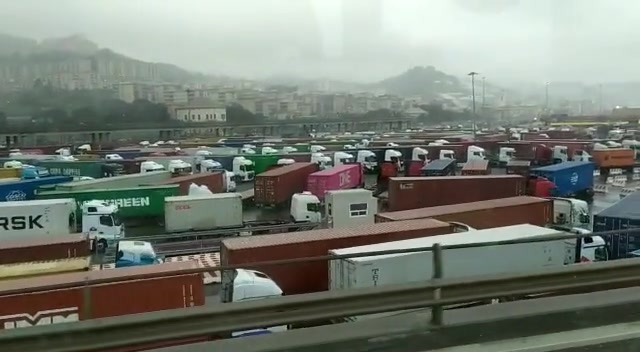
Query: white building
{"points": [[201, 114]]}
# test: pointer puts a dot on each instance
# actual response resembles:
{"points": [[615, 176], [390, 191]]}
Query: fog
{"points": [[360, 40]]}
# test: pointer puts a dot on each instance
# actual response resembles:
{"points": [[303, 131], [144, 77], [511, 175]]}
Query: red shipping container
{"points": [[128, 291], [44, 248], [298, 157], [485, 214], [215, 181], [313, 276], [345, 176], [421, 192], [276, 186]]}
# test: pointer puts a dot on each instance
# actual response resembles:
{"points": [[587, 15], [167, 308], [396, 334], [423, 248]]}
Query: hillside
{"points": [[421, 81], [22, 60]]}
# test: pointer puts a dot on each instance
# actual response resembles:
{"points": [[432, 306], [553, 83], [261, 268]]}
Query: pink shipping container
{"points": [[340, 177]]}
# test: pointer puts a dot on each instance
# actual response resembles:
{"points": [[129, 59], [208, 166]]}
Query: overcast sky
{"points": [[364, 40]]}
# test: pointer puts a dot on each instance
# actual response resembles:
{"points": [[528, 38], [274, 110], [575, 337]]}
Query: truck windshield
{"points": [[116, 219], [313, 207], [601, 254]]}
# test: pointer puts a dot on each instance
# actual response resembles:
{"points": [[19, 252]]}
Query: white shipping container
{"points": [[457, 263], [203, 212], [24, 219]]}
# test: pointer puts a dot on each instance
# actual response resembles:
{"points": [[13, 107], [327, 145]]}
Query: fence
{"points": [[112, 333]]}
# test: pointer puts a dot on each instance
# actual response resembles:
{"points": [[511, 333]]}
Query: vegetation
{"points": [[421, 81]]}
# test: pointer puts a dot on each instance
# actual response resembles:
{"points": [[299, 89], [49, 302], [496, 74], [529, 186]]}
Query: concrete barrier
{"points": [[619, 182], [609, 180], [615, 171], [636, 170], [596, 173], [635, 177], [600, 188]]}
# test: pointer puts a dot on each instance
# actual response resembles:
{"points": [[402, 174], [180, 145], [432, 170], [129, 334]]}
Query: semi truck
{"points": [[572, 179], [394, 269], [345, 176]]}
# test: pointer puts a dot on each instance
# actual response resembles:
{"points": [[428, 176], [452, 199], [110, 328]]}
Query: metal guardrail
{"points": [[111, 333]]}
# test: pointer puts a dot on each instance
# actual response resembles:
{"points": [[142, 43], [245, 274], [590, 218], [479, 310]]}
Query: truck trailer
{"points": [[346, 176], [23, 220]]}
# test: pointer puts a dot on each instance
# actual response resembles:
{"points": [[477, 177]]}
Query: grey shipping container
{"points": [[421, 192], [123, 181], [623, 215], [276, 186], [202, 212]]}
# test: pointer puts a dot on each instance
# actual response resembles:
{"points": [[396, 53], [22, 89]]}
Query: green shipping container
{"points": [[143, 201], [93, 169], [263, 162]]}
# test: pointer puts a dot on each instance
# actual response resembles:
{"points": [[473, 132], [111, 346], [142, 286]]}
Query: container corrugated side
{"points": [[43, 248], [127, 291], [276, 186], [143, 201], [44, 268], [123, 181], [312, 276], [74, 168], [623, 215], [27, 189], [484, 214], [340, 177], [420, 192]]}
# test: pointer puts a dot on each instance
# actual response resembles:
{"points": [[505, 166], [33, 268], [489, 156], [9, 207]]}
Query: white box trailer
{"points": [[36, 218], [203, 212], [393, 269]]}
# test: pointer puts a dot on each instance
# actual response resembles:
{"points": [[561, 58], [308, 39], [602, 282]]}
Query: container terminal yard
{"points": [[362, 241]]}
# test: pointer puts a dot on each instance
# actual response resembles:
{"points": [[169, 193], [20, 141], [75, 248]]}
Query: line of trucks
{"points": [[182, 290]]}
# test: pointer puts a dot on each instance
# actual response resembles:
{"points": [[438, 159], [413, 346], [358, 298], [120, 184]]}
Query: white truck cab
{"points": [[581, 155], [368, 159], [101, 221], [113, 157], [180, 167], [288, 149], [269, 151], [447, 154], [243, 168], [571, 212], [592, 248], [285, 161], [560, 153], [418, 154], [441, 141], [349, 147], [393, 156], [506, 154], [13, 164], [340, 158], [305, 207], [476, 153], [317, 149], [245, 150], [150, 166], [391, 144], [135, 253], [210, 165], [324, 162]]}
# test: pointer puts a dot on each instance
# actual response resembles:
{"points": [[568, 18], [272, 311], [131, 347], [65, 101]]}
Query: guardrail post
{"points": [[437, 311]]}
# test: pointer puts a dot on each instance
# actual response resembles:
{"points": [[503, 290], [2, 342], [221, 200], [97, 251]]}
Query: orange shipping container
{"points": [[620, 157]]}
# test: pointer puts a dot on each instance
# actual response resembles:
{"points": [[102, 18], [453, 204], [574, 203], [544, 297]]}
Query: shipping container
{"points": [[439, 167], [484, 214], [95, 169], [476, 168], [42, 248], [129, 166], [138, 202], [571, 178], [27, 189], [403, 268], [24, 219], [518, 167], [192, 213], [262, 163], [276, 186], [123, 181], [421, 192], [345, 176], [535, 152], [132, 290], [623, 215], [10, 173], [215, 181], [614, 158], [312, 276], [44, 268]]}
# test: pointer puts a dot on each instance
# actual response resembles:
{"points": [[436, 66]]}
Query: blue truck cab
{"points": [[571, 178]]}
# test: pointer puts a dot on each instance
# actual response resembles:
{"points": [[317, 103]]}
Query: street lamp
{"points": [[473, 99]]}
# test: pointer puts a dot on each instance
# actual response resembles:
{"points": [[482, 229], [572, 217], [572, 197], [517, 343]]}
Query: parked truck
{"points": [[395, 269], [623, 215], [93, 169], [345, 176], [17, 190], [623, 158], [572, 179], [124, 181], [420, 192], [312, 276], [21, 220], [276, 187]]}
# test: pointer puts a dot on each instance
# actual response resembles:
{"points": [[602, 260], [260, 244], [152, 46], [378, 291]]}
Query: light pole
{"points": [[546, 97], [483, 92], [473, 99]]}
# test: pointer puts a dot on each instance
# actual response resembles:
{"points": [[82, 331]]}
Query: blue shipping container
{"points": [[623, 215], [570, 178], [26, 189]]}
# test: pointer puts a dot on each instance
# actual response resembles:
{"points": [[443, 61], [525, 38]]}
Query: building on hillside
{"points": [[200, 110]]}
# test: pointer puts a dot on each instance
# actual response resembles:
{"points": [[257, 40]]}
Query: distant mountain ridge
{"points": [[18, 53], [424, 81]]}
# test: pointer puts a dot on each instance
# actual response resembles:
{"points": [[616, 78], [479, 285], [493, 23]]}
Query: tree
{"points": [[3, 120], [238, 114]]}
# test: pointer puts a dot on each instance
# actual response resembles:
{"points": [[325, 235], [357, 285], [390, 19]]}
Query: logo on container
{"points": [[15, 196], [46, 317], [345, 179], [574, 178]]}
